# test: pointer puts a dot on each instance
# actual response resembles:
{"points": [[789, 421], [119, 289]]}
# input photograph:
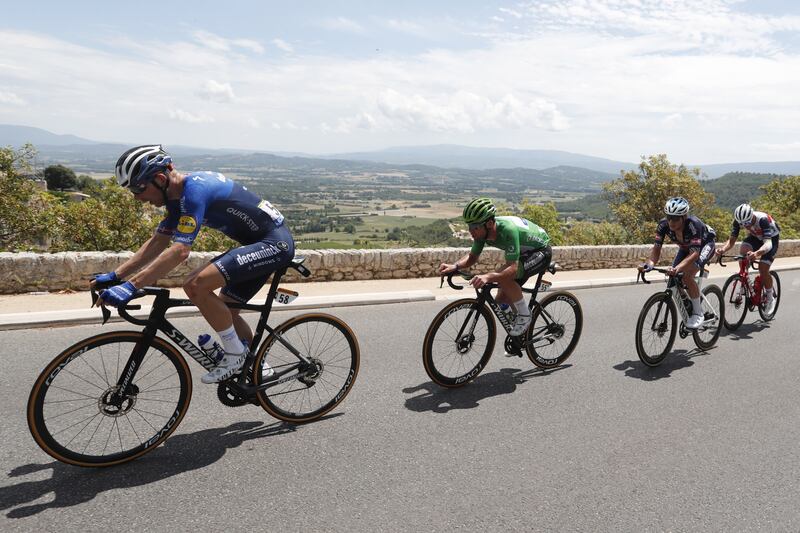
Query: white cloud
{"points": [[461, 112], [7, 97], [191, 118], [253, 123], [343, 24], [221, 44], [672, 120], [283, 45], [217, 92], [790, 147]]}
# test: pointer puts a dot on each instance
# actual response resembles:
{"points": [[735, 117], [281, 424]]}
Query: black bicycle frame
{"points": [[484, 296], [156, 321]]}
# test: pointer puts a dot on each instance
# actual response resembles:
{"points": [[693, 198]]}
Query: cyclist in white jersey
{"points": [[761, 244]]}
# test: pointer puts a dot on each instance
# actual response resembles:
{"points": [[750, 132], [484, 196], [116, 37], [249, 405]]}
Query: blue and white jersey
{"points": [[210, 199]]}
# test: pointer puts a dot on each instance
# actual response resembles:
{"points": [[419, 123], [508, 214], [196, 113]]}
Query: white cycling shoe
{"points": [[769, 305], [521, 323], [694, 322], [228, 367]]}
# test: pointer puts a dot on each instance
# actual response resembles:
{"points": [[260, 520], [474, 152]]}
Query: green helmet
{"points": [[478, 210]]}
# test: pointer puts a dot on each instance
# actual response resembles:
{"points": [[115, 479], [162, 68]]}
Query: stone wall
{"points": [[26, 272]]}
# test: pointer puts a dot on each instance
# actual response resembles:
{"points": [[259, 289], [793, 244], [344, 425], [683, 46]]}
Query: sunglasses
{"points": [[138, 189], [674, 218], [476, 225]]}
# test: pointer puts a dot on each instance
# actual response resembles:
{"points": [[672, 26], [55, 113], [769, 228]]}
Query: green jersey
{"points": [[515, 235]]}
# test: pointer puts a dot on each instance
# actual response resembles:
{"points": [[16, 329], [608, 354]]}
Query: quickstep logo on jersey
{"points": [[264, 253], [244, 217]]}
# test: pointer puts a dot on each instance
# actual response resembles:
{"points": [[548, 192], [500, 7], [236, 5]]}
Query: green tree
{"points": [[637, 198], [545, 216], [592, 234], [781, 199], [28, 215], [88, 185], [60, 177], [114, 220]]}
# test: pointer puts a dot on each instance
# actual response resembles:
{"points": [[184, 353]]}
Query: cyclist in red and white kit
{"points": [[761, 244]]}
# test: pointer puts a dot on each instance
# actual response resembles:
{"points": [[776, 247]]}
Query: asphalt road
{"points": [[707, 441]]}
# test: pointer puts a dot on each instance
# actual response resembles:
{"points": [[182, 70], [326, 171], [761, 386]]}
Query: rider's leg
{"points": [[200, 290]]}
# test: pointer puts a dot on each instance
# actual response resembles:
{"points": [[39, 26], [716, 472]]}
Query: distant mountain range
{"points": [[90, 155]]}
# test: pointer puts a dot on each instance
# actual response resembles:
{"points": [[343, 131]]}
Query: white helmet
{"points": [[137, 166], [677, 206], [743, 214]]}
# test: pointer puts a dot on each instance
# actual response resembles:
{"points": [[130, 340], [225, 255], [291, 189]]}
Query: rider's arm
{"points": [[767, 246], [466, 261], [144, 255], [169, 259]]}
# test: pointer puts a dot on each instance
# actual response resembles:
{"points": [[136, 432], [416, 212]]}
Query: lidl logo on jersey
{"points": [[187, 224]]}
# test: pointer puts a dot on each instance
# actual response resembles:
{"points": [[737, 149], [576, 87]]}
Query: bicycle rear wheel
{"points": [[776, 287], [459, 342], [301, 392], [555, 330], [734, 297], [713, 306], [76, 415], [656, 329]]}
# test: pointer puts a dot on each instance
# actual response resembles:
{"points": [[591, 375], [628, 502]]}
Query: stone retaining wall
{"points": [[26, 272]]}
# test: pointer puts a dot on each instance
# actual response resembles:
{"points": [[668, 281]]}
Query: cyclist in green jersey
{"points": [[527, 253]]}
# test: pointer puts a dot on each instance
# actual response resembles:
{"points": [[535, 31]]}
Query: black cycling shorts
{"points": [[532, 263], [755, 243], [247, 268]]}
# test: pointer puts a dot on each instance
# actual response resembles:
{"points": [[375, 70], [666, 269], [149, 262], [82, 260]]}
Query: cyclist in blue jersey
{"points": [[761, 244], [192, 201], [696, 243]]}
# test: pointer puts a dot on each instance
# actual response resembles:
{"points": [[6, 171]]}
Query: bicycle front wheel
{"points": [[734, 296], [776, 287], [713, 316], [555, 329], [303, 392], [77, 415], [656, 329], [459, 342]]}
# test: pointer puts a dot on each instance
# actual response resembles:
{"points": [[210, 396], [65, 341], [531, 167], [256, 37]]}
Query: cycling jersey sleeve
{"points": [[661, 232], [190, 220], [511, 237], [735, 229], [170, 222]]}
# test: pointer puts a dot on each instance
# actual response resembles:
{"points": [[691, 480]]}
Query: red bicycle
{"points": [[743, 292]]}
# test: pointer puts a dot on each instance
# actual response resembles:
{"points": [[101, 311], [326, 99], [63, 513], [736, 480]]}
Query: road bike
{"points": [[113, 397], [657, 323], [743, 292], [461, 338]]}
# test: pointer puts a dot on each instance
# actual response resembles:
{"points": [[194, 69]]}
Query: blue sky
{"points": [[702, 81]]}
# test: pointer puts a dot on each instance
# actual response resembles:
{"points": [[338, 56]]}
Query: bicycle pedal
{"points": [[513, 354]]}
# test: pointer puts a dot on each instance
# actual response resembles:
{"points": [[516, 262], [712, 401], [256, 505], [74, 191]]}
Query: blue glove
{"points": [[108, 277], [118, 295]]}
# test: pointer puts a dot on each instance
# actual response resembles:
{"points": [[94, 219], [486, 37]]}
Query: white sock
{"points": [[522, 307], [697, 306], [230, 341]]}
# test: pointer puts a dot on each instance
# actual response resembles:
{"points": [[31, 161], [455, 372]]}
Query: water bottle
{"points": [[757, 289], [506, 309], [211, 347]]}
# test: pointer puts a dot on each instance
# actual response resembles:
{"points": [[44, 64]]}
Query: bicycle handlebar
{"points": [[466, 275], [664, 271], [738, 257]]}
